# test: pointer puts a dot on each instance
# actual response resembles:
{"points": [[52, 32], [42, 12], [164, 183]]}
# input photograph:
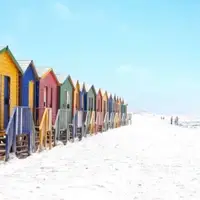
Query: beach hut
{"points": [[64, 113], [83, 100], [48, 92], [104, 102], [76, 102], [99, 101], [29, 85], [10, 80], [114, 103], [123, 117], [105, 109], [67, 96], [15, 121], [99, 116], [91, 105], [117, 104], [110, 104], [120, 102], [122, 106], [91, 98], [83, 97], [119, 110]]}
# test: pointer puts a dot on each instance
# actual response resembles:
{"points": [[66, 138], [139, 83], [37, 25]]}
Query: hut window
{"points": [[51, 100], [45, 95], [82, 100], [77, 100], [67, 99], [104, 106], [90, 103], [99, 104]]}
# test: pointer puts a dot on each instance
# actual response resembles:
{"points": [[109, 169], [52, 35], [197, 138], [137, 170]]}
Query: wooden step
{"points": [[2, 144], [22, 146], [22, 151], [2, 132]]}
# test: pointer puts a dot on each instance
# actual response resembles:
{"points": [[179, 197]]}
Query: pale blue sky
{"points": [[146, 51]]}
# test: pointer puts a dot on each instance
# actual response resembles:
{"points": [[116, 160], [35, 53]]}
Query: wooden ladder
{"points": [[2, 145], [22, 148]]}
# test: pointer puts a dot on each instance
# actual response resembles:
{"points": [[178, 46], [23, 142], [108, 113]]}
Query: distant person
{"points": [[176, 120], [171, 119]]}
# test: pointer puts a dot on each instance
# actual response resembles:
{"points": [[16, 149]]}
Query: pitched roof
{"points": [[43, 71], [103, 92], [24, 64], [70, 80], [94, 89], [6, 48], [2, 47], [98, 90], [87, 87], [74, 81], [109, 94], [61, 78], [82, 85]]}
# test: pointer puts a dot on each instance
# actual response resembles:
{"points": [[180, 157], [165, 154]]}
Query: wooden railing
{"points": [[111, 120], [92, 123], [87, 122], [116, 120], [21, 122], [61, 122], [123, 119], [106, 121], [99, 121], [45, 128]]}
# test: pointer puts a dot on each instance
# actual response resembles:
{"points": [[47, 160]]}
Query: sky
{"points": [[146, 51]]}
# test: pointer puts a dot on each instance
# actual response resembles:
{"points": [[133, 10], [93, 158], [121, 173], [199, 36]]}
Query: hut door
{"points": [[31, 95], [90, 104], [77, 101], [104, 108], [6, 100], [82, 101]]}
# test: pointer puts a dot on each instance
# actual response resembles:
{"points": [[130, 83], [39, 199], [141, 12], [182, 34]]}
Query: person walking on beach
{"points": [[176, 120], [171, 119]]}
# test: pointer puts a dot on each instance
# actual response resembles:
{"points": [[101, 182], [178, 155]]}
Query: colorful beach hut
{"points": [[83, 97], [48, 92], [110, 104], [122, 106], [99, 101], [29, 86], [104, 102], [10, 79], [99, 116], [114, 104], [67, 96], [91, 106], [83, 100], [76, 102], [91, 97]]}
